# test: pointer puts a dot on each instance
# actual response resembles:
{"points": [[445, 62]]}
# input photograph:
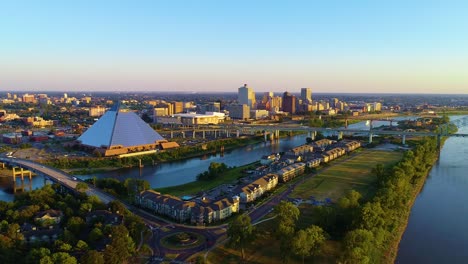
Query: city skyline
{"points": [[210, 46]]}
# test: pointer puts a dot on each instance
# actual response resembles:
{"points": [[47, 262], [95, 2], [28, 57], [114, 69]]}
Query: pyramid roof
{"points": [[119, 126]]}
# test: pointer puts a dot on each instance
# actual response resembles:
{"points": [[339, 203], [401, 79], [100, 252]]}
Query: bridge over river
{"points": [[58, 176], [274, 129]]}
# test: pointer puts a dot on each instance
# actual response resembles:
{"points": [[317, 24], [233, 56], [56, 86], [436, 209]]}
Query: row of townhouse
{"points": [[314, 161], [253, 190], [300, 150], [349, 145], [322, 143], [184, 211], [290, 172], [332, 154]]}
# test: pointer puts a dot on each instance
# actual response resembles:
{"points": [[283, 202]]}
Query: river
{"points": [[184, 171], [437, 231], [178, 172]]}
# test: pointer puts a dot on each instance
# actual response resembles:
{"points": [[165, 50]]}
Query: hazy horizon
{"points": [[399, 47]]}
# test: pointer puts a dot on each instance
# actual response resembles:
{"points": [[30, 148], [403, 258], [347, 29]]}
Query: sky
{"points": [[202, 45]]}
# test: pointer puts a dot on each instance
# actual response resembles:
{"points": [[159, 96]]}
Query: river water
{"points": [[184, 171], [178, 172], [437, 230]]}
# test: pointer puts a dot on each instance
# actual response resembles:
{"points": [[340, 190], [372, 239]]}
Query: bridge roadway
{"points": [[57, 176], [283, 127]]}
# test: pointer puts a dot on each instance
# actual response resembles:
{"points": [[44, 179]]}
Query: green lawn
{"points": [[333, 181], [193, 188], [346, 174]]}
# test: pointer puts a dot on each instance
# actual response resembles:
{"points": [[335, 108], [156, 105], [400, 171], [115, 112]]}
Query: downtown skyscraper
{"points": [[246, 95]]}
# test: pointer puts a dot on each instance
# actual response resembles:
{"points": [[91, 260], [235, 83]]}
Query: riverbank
{"points": [[391, 254], [87, 166], [195, 187]]}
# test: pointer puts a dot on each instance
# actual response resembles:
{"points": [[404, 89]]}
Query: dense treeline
{"points": [[78, 239], [376, 225], [121, 189]]}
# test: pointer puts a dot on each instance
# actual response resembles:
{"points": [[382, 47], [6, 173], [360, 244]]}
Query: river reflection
{"points": [[436, 231]]}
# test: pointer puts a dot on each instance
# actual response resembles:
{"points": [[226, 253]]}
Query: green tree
{"points": [[37, 254], [86, 208], [286, 216], [121, 247], [308, 242], [62, 246], [372, 216], [359, 246], [81, 245], [117, 207], [75, 224], [58, 258], [240, 232], [81, 187], [92, 257], [95, 235]]}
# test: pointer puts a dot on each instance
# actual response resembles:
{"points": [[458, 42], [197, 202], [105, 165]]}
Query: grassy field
{"points": [[193, 188], [333, 182], [266, 250], [349, 174]]}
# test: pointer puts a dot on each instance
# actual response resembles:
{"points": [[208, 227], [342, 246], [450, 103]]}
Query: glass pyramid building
{"points": [[120, 129]]}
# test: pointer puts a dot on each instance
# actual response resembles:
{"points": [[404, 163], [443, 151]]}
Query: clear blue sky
{"points": [[330, 46]]}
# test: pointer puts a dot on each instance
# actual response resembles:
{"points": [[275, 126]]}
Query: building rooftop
{"points": [[119, 127]]}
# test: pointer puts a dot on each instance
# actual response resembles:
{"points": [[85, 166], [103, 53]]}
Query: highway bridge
{"points": [[55, 175], [275, 128]]}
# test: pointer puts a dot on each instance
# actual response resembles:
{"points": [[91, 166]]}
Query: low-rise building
{"points": [[300, 150], [253, 190], [349, 145], [239, 111], [37, 121], [208, 211], [322, 143], [210, 118], [290, 172], [168, 205], [49, 216]]}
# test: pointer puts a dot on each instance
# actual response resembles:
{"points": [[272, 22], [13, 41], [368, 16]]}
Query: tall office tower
{"points": [[306, 95], [246, 96], [9, 95], [178, 107], [334, 102], [267, 96], [289, 103], [65, 95], [275, 103]]}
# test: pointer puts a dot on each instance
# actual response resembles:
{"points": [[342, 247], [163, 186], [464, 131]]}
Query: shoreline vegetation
{"points": [[362, 228], [394, 246], [85, 166]]}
